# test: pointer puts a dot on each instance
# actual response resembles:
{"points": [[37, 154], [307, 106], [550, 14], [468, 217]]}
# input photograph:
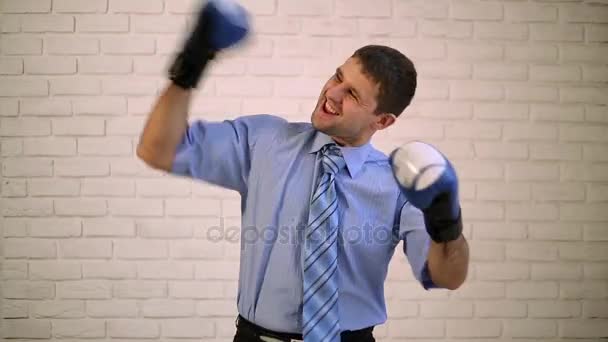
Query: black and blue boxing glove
{"points": [[220, 24], [429, 182]]}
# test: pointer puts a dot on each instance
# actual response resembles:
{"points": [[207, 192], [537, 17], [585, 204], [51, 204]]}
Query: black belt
{"points": [[249, 329]]}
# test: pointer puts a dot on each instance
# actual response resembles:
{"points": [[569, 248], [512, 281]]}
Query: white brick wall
{"points": [[97, 246]]}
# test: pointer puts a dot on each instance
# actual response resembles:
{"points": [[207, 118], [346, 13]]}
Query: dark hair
{"points": [[395, 74]]}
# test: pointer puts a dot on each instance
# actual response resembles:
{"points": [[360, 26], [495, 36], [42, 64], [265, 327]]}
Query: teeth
{"points": [[329, 108]]}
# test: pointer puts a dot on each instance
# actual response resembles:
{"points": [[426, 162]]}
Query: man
{"points": [[322, 182]]}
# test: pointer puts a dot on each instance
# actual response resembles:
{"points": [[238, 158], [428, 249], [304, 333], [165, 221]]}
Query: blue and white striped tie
{"points": [[320, 312]]}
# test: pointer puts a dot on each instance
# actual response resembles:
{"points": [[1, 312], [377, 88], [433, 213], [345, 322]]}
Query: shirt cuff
{"points": [[425, 278]]}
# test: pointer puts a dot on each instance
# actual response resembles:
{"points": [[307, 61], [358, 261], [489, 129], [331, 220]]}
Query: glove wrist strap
{"points": [[442, 230]]}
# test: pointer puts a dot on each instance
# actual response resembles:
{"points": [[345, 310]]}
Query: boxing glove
{"points": [[429, 182], [220, 24]]}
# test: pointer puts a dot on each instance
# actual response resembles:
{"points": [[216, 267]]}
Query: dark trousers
{"points": [[249, 332]]}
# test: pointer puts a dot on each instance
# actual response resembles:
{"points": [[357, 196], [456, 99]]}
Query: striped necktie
{"points": [[320, 312]]}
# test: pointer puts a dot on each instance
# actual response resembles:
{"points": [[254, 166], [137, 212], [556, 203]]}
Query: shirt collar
{"points": [[354, 157]]}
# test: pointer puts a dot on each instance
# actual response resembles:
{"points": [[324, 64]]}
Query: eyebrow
{"points": [[357, 93]]}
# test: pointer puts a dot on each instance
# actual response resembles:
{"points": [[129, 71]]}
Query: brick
{"points": [[474, 52], [23, 87], [103, 23], [529, 12], [108, 227], [310, 8], [136, 6], [14, 188], [105, 65], [140, 249], [61, 45], [503, 191], [108, 188], [531, 53], [558, 192], [136, 207], [9, 107], [27, 167], [583, 252], [104, 146], [25, 6], [555, 151], [500, 309], [50, 65], [586, 133], [488, 72], [130, 45], [422, 9], [84, 289], [165, 270], [417, 328], [451, 309], [362, 8], [595, 309], [480, 131], [334, 27], [597, 193], [595, 73], [529, 132], [114, 270], [26, 328], [164, 228], [163, 308], [192, 207], [432, 91], [50, 107], [583, 328], [14, 270], [288, 46], [27, 207], [182, 6], [532, 93], [195, 289], [550, 73], [188, 328], [534, 251], [163, 188], [224, 308], [85, 249], [195, 249], [501, 31], [157, 24], [14, 309], [80, 207], [75, 86], [28, 289], [11, 23], [224, 270], [80, 6], [556, 33], [54, 227], [477, 91], [122, 166], [526, 328], [583, 95], [11, 147], [554, 309], [492, 150], [576, 211], [53, 270], [555, 271], [49, 146], [596, 33], [441, 29], [474, 328], [81, 167], [125, 328], [142, 289], [484, 211], [583, 54], [58, 309], [499, 231], [77, 126], [47, 23], [499, 111], [11, 66], [594, 232], [82, 328], [112, 308], [129, 86], [101, 105], [561, 112], [584, 13], [487, 251], [150, 65], [44, 187], [20, 45], [586, 289], [554, 231], [584, 172], [532, 290]]}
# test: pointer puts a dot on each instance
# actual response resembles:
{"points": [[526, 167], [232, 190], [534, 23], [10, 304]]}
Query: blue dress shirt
{"points": [[272, 163]]}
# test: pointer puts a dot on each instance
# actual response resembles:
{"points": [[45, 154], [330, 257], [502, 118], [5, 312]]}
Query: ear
{"points": [[385, 120]]}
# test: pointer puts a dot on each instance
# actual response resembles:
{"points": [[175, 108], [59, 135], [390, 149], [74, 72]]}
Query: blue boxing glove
{"points": [[220, 24], [429, 182]]}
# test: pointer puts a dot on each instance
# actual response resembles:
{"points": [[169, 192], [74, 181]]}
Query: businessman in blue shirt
{"points": [[322, 208]]}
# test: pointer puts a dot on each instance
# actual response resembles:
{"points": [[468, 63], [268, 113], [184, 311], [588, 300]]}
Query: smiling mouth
{"points": [[328, 109]]}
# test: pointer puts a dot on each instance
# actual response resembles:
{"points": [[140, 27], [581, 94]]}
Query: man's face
{"points": [[347, 104]]}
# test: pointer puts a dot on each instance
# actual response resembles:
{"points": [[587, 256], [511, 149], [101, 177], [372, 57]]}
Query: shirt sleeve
{"points": [[416, 243], [220, 152]]}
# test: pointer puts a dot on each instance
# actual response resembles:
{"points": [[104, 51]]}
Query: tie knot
{"points": [[332, 160]]}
